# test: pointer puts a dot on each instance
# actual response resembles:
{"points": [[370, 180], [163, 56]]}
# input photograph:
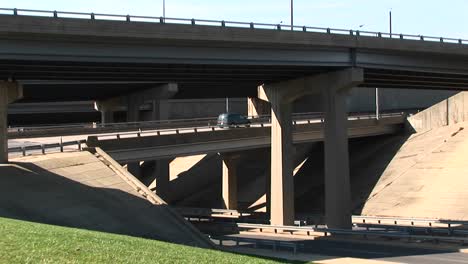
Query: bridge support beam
{"points": [[107, 109], [282, 181], [337, 182], [257, 107], [9, 92], [229, 185], [334, 87], [162, 176], [134, 168], [133, 108]]}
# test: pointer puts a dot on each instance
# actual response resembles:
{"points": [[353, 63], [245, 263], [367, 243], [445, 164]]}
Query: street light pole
{"points": [[164, 10], [292, 15], [377, 106], [390, 16]]}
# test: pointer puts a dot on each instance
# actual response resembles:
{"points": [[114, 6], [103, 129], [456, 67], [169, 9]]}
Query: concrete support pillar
{"points": [[107, 116], [334, 87], [337, 183], [156, 110], [107, 109], [282, 181], [3, 127], [134, 169], [257, 107], [161, 174], [230, 164], [9, 92], [133, 109]]}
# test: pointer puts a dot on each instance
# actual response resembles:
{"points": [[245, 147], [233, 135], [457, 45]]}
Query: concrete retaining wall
{"points": [[450, 111]]}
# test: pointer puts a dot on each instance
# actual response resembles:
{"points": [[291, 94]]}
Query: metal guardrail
{"points": [[81, 128], [224, 23], [311, 231], [262, 121], [44, 147]]}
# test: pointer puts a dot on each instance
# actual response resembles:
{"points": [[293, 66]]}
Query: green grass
{"points": [[26, 242]]}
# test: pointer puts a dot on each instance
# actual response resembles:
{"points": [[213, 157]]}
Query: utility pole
{"points": [[164, 10], [377, 106], [227, 104], [390, 16], [292, 15]]}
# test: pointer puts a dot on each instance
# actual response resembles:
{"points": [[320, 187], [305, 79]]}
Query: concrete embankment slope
{"points": [[89, 191], [427, 178]]}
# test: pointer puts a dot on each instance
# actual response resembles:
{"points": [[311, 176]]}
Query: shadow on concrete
{"points": [[195, 184], [368, 159], [30, 193]]}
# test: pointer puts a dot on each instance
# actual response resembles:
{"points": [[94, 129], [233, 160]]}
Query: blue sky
{"points": [[426, 17]]}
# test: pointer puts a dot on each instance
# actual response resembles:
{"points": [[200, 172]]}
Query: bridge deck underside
{"points": [[60, 81]]}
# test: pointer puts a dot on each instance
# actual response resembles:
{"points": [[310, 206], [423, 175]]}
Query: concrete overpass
{"points": [[273, 65], [148, 146]]}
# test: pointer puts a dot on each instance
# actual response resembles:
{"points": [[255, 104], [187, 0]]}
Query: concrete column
{"points": [[156, 110], [134, 169], [257, 107], [3, 126], [9, 92], [107, 109], [133, 109], [107, 116], [334, 87], [282, 181], [229, 185], [161, 174], [337, 183]]}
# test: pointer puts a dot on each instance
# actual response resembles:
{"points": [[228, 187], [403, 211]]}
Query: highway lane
{"points": [[405, 253]]}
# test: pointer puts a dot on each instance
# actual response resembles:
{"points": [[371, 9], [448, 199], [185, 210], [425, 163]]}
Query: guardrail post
{"points": [[358, 33], [195, 130], [158, 133], [23, 149], [61, 145], [401, 36], [304, 28], [127, 18], [278, 27], [379, 35], [422, 37], [442, 40], [55, 14], [79, 144], [223, 24], [351, 32], [177, 131], [328, 31], [460, 41], [251, 25], [161, 20], [92, 16], [118, 136], [193, 21], [43, 149], [15, 11]]}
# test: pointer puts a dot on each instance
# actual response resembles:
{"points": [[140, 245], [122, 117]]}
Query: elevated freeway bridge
{"points": [[55, 56]]}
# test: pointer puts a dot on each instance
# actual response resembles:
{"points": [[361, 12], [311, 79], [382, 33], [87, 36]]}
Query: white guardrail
{"points": [[222, 23]]}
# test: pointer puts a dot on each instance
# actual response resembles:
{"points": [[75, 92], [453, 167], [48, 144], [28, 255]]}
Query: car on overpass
{"points": [[232, 120]]}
